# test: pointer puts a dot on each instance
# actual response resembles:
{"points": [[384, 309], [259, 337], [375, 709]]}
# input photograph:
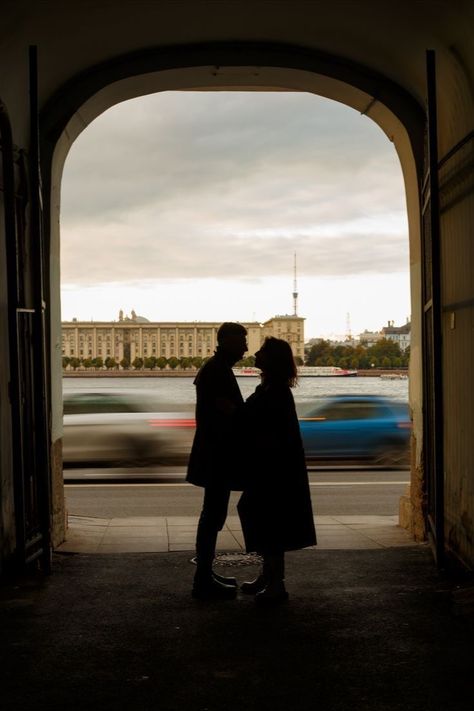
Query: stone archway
{"points": [[227, 67]]}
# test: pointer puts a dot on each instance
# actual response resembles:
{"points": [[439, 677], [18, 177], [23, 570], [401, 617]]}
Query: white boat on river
{"points": [[324, 371], [304, 371]]}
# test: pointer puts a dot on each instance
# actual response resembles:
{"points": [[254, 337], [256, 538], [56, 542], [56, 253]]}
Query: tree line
{"points": [[383, 354], [150, 363]]}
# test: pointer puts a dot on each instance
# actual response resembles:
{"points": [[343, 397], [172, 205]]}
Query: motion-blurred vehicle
{"points": [[125, 428], [356, 428]]}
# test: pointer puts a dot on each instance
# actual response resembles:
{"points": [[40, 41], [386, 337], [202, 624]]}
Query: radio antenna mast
{"points": [[295, 290]]}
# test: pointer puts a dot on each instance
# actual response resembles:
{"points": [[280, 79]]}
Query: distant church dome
{"points": [[133, 317], [141, 319]]}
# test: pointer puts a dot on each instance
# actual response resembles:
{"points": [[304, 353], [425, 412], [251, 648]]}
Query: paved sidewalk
{"points": [[178, 533]]}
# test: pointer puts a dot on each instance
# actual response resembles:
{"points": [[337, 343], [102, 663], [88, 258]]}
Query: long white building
{"points": [[136, 337]]}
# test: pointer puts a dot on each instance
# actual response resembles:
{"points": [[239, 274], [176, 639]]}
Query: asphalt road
{"points": [[334, 492]]}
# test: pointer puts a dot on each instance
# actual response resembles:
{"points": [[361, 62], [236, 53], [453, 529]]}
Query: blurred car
{"points": [[356, 428], [124, 428]]}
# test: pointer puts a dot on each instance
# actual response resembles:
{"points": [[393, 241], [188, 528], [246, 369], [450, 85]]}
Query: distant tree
{"points": [[197, 361], [247, 362], [298, 360], [354, 362], [150, 362], [185, 362], [161, 362], [386, 362], [87, 363], [98, 362], [66, 361], [323, 349], [75, 363], [396, 362], [125, 363], [173, 362], [406, 357], [137, 363], [363, 358], [385, 348], [110, 363]]}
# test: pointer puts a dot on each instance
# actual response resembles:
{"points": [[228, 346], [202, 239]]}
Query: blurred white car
{"points": [[124, 428]]}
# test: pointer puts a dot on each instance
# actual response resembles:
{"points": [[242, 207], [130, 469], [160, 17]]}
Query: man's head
{"points": [[232, 338]]}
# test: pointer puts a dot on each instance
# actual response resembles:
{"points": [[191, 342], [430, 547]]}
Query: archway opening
{"points": [[269, 245], [222, 67]]}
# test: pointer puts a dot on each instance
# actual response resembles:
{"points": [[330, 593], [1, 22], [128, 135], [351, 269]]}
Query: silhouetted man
{"points": [[213, 454]]}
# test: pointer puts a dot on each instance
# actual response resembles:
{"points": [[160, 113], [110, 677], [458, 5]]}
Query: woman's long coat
{"points": [[275, 509]]}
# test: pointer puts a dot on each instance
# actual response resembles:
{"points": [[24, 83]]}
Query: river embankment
{"points": [[188, 373]]}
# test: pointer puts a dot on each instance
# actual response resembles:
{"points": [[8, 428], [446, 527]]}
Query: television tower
{"points": [[295, 290]]}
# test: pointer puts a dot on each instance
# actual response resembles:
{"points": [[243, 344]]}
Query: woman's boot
{"points": [[254, 587], [274, 591]]}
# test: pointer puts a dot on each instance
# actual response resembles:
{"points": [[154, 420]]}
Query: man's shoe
{"points": [[212, 589], [224, 580], [271, 595], [254, 587]]}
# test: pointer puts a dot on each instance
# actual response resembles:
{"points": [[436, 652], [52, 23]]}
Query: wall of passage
{"points": [[7, 509], [457, 244], [75, 38]]}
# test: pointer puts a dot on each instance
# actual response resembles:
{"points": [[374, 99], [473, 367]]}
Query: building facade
{"points": [[289, 328], [136, 337], [398, 334]]}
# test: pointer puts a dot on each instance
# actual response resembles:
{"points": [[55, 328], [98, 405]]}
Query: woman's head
{"points": [[275, 359]]}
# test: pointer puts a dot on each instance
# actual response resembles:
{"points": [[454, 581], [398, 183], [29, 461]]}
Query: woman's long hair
{"points": [[280, 364]]}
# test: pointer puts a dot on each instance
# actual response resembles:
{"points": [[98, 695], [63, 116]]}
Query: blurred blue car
{"points": [[356, 428]]}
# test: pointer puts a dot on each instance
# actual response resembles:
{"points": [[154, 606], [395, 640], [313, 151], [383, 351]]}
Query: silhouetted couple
{"points": [[254, 447]]}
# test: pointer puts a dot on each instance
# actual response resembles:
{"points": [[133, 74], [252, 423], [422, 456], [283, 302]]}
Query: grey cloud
{"points": [[153, 150], [238, 258], [200, 185]]}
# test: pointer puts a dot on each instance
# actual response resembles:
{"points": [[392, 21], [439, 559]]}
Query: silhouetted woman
{"points": [[275, 508]]}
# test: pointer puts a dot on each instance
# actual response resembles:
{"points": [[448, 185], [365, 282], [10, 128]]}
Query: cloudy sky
{"points": [[191, 206]]}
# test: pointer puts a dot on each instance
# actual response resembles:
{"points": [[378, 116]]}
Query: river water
{"points": [[181, 390]]}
